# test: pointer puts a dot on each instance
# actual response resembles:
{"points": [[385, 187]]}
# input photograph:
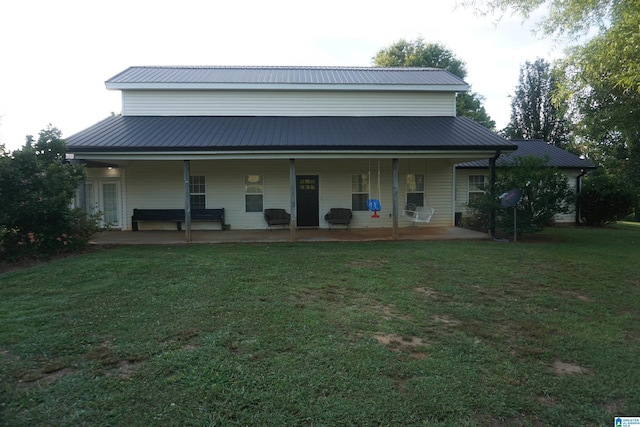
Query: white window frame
{"points": [[360, 186], [253, 187], [198, 189], [415, 187], [476, 185]]}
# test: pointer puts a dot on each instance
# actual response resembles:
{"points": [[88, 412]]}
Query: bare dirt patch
{"points": [[409, 345], [427, 292], [563, 368], [40, 378], [445, 320], [124, 369]]}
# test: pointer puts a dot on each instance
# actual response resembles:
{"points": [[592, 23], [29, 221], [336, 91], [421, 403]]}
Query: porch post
{"points": [[394, 178], [292, 198], [492, 190], [82, 190], [187, 201]]}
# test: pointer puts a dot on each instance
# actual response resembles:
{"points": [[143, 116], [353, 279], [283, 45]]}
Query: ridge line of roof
{"points": [[286, 67]]}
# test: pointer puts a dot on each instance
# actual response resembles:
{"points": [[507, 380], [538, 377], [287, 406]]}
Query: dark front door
{"points": [[307, 201]]}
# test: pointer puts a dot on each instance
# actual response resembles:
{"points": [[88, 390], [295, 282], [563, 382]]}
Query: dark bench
{"points": [[340, 216], [177, 216]]}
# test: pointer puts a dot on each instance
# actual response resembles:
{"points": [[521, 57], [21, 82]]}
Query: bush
{"points": [[605, 199], [37, 187], [545, 193]]}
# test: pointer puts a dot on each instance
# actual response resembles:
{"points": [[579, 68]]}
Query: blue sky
{"points": [[56, 55]]}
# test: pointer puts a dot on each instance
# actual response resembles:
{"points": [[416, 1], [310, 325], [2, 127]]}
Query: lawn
{"points": [[328, 334]]}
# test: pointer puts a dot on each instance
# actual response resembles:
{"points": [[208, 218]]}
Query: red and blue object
{"points": [[374, 206]]}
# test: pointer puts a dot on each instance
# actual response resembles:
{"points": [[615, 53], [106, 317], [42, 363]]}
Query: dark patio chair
{"points": [[340, 216], [277, 217]]}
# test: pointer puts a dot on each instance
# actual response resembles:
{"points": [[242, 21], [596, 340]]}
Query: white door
{"points": [[104, 196]]}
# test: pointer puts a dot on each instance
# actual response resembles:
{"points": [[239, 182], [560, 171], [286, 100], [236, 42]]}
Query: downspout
{"points": [[583, 172], [492, 189]]}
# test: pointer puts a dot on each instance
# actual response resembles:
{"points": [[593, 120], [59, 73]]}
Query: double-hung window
{"points": [[253, 193], [197, 192], [415, 189], [476, 187], [359, 192]]}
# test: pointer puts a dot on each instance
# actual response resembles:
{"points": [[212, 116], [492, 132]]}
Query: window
{"points": [[476, 187], [359, 192], [415, 189], [253, 193], [197, 192]]}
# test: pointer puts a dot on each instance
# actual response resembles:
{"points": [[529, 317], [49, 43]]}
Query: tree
{"points": [[534, 114], [405, 53], [37, 186], [605, 199], [615, 46], [545, 193], [602, 75]]}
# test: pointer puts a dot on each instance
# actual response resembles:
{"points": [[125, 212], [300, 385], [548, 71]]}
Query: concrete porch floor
{"points": [[282, 235]]}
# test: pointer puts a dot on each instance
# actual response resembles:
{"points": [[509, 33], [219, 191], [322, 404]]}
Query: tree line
{"points": [[587, 103]]}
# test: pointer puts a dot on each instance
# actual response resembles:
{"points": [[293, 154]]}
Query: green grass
{"points": [[328, 334]]}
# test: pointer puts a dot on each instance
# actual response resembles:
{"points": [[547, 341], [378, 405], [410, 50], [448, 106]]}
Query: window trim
{"points": [[421, 192], [365, 191], [192, 193], [261, 193], [474, 192]]}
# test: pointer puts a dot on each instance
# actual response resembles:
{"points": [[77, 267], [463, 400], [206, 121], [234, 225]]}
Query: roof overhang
{"points": [[456, 155], [287, 87]]}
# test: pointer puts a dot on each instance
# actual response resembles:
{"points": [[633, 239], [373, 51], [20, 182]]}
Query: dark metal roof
{"points": [[285, 75], [557, 156], [264, 134]]}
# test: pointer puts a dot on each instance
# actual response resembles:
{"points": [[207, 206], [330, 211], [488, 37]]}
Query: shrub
{"points": [[545, 193], [37, 187], [605, 199]]}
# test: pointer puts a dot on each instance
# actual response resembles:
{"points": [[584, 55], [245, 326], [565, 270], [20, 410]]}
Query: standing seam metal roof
{"points": [[287, 75], [224, 133], [538, 148]]}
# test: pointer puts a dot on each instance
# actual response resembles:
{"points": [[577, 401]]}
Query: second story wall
{"points": [[286, 103]]}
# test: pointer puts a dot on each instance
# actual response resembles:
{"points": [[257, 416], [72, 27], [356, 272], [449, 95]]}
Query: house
{"points": [[303, 139], [471, 177]]}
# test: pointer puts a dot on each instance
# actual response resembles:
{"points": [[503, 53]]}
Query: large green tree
{"points": [[535, 113], [602, 74], [418, 53], [613, 25], [37, 186]]}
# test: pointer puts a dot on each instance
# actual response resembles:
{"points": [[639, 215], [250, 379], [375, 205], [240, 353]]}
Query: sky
{"points": [[56, 54]]}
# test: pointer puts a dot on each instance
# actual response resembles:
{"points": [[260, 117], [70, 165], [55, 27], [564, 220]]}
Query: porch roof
{"points": [[557, 157], [164, 134]]}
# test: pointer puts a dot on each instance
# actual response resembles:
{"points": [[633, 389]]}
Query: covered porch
{"points": [[405, 233]]}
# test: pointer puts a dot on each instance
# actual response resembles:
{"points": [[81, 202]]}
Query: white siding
{"points": [[570, 217], [159, 185], [286, 103]]}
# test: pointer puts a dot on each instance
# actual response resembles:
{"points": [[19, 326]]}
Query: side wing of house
{"points": [[472, 177]]}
